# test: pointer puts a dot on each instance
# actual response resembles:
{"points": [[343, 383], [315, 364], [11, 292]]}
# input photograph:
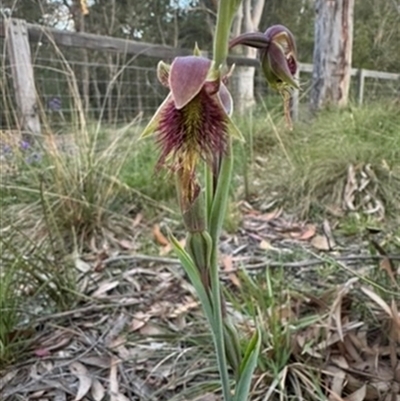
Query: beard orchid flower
{"points": [[278, 55], [193, 123]]}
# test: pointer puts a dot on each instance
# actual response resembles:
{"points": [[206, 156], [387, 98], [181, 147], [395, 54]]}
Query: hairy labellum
{"points": [[193, 122]]}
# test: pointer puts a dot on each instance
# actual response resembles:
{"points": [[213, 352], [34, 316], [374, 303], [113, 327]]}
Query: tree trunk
{"points": [[332, 53], [242, 88], [242, 81]]}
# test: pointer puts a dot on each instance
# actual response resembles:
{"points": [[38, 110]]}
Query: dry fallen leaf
{"points": [[271, 215], [113, 386], [183, 308], [82, 266], [321, 243], [387, 266], [395, 323], [228, 267], [207, 397], [165, 250], [338, 379], [159, 237], [7, 378], [38, 394], [139, 320], [114, 392], [358, 395], [41, 352], [98, 392], [104, 287], [266, 246], [59, 395], [85, 381], [136, 221], [378, 300], [126, 244], [151, 330], [308, 233], [350, 189]]}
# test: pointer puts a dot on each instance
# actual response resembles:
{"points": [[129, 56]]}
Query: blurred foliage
{"points": [[184, 22], [179, 23]]}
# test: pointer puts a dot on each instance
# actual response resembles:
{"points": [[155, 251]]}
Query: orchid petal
{"points": [[252, 39], [278, 54], [187, 77], [281, 35], [225, 99], [278, 64], [152, 126], [234, 130], [196, 50], [163, 70]]}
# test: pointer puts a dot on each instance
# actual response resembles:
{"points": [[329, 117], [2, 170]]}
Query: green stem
{"points": [[218, 327], [226, 12], [216, 204], [216, 218]]}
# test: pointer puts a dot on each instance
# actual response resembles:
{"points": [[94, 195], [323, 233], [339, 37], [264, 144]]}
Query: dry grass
{"points": [[140, 334], [84, 316], [345, 161]]}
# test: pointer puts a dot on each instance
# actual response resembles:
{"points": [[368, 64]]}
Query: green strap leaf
{"points": [[194, 276], [232, 347], [209, 190], [248, 365], [211, 307], [220, 201]]}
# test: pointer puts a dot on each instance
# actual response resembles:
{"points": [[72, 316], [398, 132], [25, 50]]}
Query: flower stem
{"points": [[226, 12], [218, 326], [216, 216]]}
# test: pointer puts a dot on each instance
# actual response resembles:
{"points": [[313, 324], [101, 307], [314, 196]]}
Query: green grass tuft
{"points": [[309, 167]]}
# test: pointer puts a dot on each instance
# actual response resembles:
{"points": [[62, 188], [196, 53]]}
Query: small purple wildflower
{"points": [[6, 149], [54, 103], [24, 145]]}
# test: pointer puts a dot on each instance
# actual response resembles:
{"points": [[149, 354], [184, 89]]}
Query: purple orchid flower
{"points": [[278, 55], [193, 122]]}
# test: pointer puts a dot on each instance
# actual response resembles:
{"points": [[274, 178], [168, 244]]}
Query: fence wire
{"points": [[116, 88]]}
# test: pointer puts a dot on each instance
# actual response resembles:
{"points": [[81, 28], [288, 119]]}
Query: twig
{"points": [[141, 258], [90, 308], [262, 264], [258, 263]]}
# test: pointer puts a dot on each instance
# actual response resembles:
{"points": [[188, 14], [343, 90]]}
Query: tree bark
{"points": [[332, 53], [242, 81]]}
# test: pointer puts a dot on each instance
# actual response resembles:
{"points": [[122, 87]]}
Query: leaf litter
{"points": [[141, 336]]}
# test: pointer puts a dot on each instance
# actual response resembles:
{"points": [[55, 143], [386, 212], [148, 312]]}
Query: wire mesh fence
{"points": [[107, 87], [115, 88]]}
